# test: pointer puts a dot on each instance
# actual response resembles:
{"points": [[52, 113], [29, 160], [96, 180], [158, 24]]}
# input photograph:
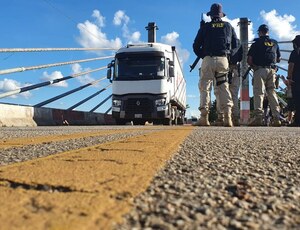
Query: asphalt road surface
{"points": [[149, 177]]}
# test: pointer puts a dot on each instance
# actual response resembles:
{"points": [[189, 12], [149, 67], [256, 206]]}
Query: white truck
{"points": [[147, 83]]}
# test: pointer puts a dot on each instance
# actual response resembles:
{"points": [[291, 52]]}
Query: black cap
{"points": [[263, 28], [216, 11], [297, 40]]}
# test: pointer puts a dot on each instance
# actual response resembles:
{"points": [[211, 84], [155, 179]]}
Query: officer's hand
{"points": [[278, 59], [286, 82]]}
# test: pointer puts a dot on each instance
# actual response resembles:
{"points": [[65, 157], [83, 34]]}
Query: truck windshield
{"points": [[139, 67]]}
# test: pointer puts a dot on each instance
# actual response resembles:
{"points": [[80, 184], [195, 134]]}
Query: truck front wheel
{"points": [[168, 120]]}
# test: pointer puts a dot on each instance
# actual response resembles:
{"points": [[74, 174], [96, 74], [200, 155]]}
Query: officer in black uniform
{"points": [[293, 78], [234, 81], [214, 41], [262, 56]]}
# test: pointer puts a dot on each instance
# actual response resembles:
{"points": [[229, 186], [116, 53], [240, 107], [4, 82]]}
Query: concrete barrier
{"points": [[17, 115]]}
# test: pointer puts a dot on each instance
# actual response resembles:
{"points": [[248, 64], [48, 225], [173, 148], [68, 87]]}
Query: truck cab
{"points": [[147, 85]]}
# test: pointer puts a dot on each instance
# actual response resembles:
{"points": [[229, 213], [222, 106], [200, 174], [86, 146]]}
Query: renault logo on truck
{"points": [[138, 103]]}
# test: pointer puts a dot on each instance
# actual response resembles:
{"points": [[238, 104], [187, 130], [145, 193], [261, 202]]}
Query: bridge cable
{"points": [[88, 98], [39, 85], [22, 69], [101, 103], [7, 50], [107, 111], [67, 93]]}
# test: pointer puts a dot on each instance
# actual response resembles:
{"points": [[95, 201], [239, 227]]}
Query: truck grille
{"points": [[139, 105]]}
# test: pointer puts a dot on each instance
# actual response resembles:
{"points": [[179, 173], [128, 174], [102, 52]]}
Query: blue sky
{"points": [[103, 23]]}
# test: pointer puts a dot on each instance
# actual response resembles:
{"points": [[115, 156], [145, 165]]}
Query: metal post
{"points": [[151, 32], [244, 93]]}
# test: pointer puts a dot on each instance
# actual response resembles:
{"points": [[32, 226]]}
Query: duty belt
{"points": [[267, 66], [215, 55]]}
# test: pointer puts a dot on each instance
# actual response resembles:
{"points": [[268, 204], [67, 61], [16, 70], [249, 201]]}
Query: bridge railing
{"points": [[10, 96]]}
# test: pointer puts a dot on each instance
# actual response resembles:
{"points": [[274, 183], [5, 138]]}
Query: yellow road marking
{"points": [[90, 188], [18, 142]]}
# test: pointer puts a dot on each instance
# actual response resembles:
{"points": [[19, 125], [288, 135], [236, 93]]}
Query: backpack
{"points": [[269, 47]]}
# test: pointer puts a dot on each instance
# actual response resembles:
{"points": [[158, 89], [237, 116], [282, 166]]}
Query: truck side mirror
{"points": [[108, 74], [171, 69], [109, 71]]}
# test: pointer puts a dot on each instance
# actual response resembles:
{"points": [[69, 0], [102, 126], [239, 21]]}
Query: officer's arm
{"points": [[250, 55], [198, 42], [278, 54], [234, 40], [290, 71]]}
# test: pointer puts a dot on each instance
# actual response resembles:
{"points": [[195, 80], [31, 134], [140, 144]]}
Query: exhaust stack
{"points": [[151, 32]]}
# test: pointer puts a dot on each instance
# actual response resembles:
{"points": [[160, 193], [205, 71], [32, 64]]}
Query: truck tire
{"points": [[175, 116], [180, 118], [168, 120]]}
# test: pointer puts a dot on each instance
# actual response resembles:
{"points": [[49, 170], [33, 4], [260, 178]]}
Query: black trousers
{"points": [[296, 98]]}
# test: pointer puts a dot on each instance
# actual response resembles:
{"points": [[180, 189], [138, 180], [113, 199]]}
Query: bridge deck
{"points": [[161, 177]]}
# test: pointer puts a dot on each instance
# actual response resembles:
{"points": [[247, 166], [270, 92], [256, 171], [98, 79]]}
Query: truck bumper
{"points": [[139, 107]]}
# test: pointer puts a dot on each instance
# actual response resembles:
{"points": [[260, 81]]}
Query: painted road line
{"points": [[90, 188], [18, 142]]}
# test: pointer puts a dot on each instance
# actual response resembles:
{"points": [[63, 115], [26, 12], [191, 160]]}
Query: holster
{"points": [[221, 79]]}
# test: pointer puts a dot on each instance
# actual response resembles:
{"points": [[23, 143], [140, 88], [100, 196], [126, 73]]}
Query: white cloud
{"points": [[121, 18], [84, 79], [281, 26], [134, 37], [91, 34], [100, 20], [170, 38], [8, 85], [173, 40], [52, 76], [235, 25]]}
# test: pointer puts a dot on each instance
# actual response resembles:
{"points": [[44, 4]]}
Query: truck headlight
{"points": [[160, 102], [116, 102]]}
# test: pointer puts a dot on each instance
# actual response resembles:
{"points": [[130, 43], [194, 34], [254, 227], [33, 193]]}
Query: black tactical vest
{"points": [[265, 51], [218, 38]]}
